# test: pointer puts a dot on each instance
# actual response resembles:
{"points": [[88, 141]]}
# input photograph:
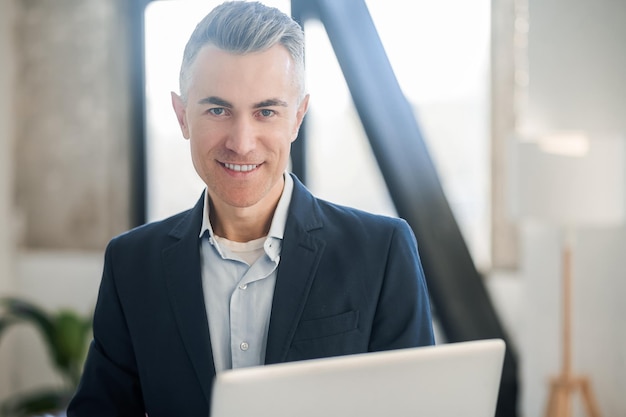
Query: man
{"points": [[259, 271]]}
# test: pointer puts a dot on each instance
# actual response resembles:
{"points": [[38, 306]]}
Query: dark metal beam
{"points": [[138, 189], [461, 302]]}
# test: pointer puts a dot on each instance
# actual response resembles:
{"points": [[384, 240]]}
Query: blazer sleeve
{"points": [[110, 384], [403, 315]]}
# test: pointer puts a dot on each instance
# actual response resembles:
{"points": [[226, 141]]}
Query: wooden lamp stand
{"points": [[563, 386]]}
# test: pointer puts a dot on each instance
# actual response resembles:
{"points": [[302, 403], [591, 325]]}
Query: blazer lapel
{"points": [[300, 256], [181, 263]]}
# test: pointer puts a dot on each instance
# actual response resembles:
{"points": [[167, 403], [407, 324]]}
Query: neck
{"points": [[240, 225], [243, 224]]}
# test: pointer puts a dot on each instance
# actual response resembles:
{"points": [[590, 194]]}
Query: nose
{"points": [[242, 136]]}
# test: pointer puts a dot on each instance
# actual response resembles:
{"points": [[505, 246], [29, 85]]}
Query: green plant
{"points": [[65, 334]]}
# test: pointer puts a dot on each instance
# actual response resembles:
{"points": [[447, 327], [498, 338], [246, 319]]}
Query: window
{"points": [[440, 54]]}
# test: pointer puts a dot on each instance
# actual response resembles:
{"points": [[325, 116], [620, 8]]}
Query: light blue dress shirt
{"points": [[238, 282]]}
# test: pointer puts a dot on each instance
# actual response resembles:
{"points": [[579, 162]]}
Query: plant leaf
{"points": [[5, 322], [22, 310], [51, 400], [71, 334]]}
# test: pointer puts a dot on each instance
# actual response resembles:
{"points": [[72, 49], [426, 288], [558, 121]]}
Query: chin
{"points": [[242, 201]]}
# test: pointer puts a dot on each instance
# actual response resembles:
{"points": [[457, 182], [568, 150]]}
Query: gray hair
{"points": [[243, 27]]}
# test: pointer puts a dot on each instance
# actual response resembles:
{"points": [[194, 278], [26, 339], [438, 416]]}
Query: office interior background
{"points": [[485, 78]]}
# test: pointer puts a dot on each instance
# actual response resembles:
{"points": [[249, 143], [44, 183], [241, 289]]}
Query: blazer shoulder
{"points": [[153, 229], [314, 213], [341, 213], [176, 226]]}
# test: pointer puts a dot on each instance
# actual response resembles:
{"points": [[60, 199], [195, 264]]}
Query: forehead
{"points": [[253, 76]]}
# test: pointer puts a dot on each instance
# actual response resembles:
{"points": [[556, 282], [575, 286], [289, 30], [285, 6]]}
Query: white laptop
{"points": [[447, 380]]}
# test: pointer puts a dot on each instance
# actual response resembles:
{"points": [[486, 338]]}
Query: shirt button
{"points": [[243, 286], [244, 346]]}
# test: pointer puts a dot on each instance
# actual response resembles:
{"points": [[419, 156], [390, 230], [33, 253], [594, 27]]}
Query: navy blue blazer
{"points": [[348, 282]]}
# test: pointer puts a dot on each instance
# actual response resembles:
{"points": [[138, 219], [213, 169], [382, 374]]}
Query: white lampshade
{"points": [[568, 179]]}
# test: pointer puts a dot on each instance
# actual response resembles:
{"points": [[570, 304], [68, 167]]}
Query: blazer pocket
{"points": [[327, 326]]}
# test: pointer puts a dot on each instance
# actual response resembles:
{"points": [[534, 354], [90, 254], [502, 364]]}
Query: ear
{"points": [[181, 114], [302, 109]]}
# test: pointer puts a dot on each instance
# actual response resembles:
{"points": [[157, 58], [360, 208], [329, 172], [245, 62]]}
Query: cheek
{"points": [[295, 128], [284, 141], [199, 148], [202, 137], [195, 153]]}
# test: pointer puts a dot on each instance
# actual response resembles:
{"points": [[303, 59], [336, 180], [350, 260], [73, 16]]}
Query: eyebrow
{"points": [[224, 103], [271, 103], [215, 100]]}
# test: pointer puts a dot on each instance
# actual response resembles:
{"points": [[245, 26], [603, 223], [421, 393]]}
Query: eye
{"points": [[266, 113], [217, 111]]}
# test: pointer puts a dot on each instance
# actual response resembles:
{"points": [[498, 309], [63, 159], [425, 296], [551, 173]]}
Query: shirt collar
{"points": [[277, 228]]}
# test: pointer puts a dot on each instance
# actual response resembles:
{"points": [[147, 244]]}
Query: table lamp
{"points": [[567, 179]]}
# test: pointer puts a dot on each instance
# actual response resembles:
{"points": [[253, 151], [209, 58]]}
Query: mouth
{"points": [[240, 168]]}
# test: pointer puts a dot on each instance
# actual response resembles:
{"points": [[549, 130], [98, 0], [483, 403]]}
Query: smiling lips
{"points": [[240, 168]]}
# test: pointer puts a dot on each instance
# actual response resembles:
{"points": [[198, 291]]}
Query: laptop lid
{"points": [[454, 379]]}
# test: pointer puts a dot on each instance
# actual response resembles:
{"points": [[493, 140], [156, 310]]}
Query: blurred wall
{"points": [[577, 81], [6, 169], [64, 179], [65, 141], [6, 144], [72, 124], [577, 66]]}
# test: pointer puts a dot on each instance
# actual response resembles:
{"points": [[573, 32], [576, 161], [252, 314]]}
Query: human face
{"points": [[241, 115]]}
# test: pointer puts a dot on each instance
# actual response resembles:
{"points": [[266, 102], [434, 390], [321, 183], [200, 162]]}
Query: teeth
{"points": [[242, 168]]}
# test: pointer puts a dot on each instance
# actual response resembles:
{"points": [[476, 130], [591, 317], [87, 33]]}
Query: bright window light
{"points": [[440, 55]]}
